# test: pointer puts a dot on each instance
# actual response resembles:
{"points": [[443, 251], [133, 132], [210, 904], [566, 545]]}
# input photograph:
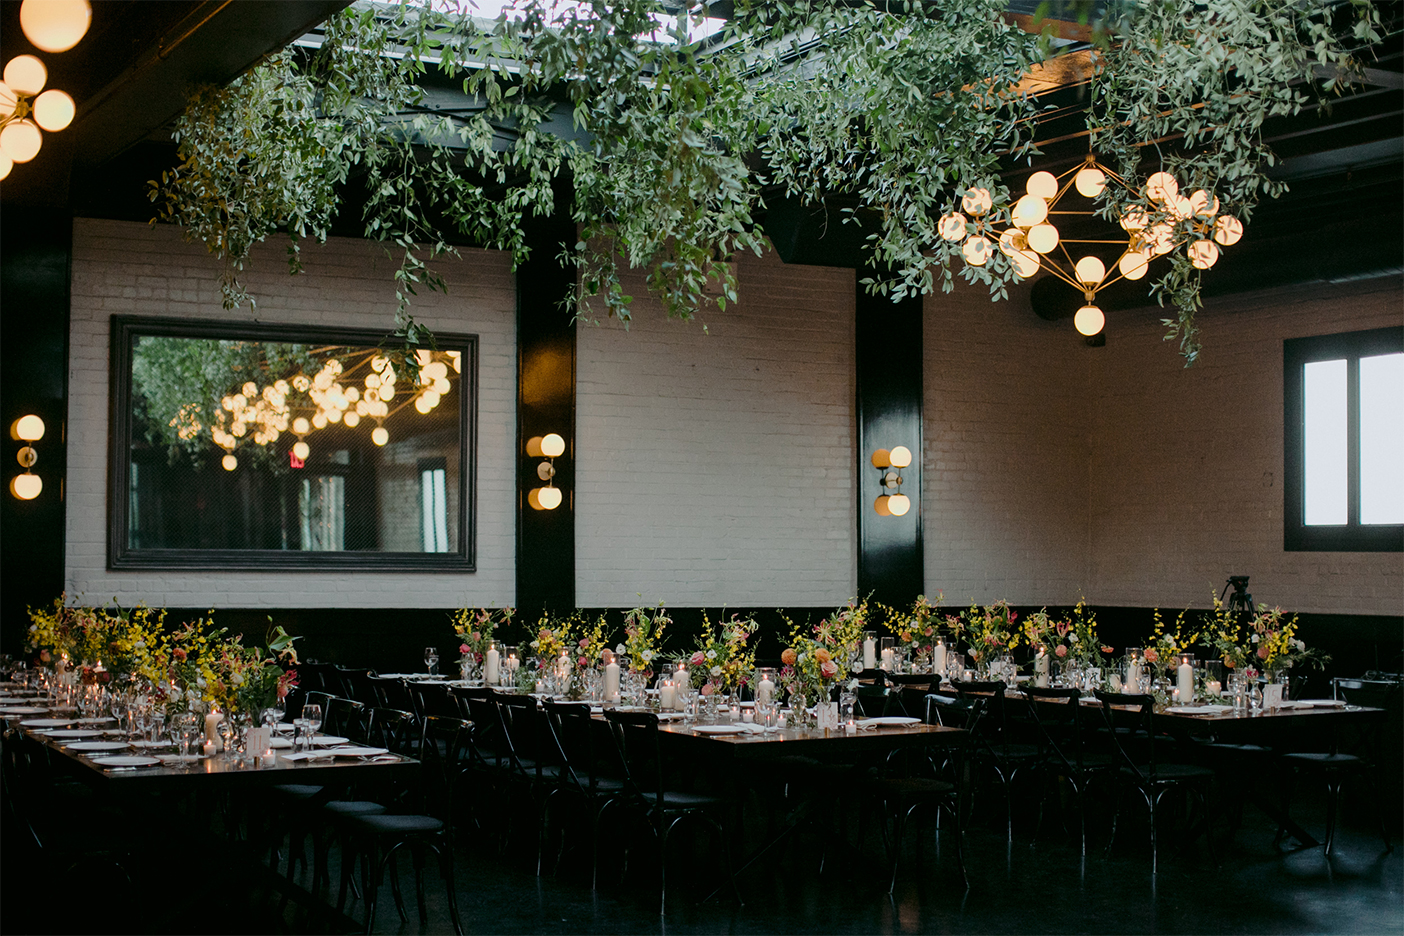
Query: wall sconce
{"points": [[550, 447], [27, 429], [895, 504]]}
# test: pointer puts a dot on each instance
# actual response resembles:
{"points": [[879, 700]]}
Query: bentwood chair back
{"points": [[345, 718], [432, 700], [391, 693], [1059, 717], [1130, 722], [358, 684]]}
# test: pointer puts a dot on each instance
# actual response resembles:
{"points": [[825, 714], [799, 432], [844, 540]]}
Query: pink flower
{"points": [[788, 656], [1062, 627], [1152, 655], [44, 656], [929, 631], [708, 688], [179, 653], [1061, 652], [464, 648], [699, 658], [475, 636], [828, 669], [584, 642], [584, 661], [1262, 653]]}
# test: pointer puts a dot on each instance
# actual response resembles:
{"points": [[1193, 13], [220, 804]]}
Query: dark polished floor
{"points": [[1036, 885]]}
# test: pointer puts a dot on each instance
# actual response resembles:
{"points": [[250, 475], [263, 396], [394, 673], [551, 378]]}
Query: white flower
{"points": [[648, 656], [716, 671], [1072, 638], [200, 681], [1255, 638], [139, 645], [711, 654], [237, 679], [620, 650], [1299, 644]]}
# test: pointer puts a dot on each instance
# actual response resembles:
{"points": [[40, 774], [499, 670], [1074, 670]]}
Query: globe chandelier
{"points": [[1157, 221], [303, 404], [25, 107]]}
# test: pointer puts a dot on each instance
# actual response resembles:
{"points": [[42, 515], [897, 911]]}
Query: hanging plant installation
{"points": [[1156, 220]]}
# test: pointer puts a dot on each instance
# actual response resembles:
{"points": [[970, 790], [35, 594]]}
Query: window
{"points": [[282, 447], [1343, 399]]}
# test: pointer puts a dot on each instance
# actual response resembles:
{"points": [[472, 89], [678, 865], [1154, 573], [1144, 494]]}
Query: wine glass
{"points": [[311, 721], [157, 720], [431, 659], [183, 729]]}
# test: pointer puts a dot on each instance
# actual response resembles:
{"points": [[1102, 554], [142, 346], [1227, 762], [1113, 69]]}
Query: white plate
{"points": [[74, 733], [1199, 709], [94, 721], [1322, 703], [94, 747], [327, 740], [887, 720], [179, 758], [718, 729], [148, 745], [357, 751], [46, 722], [669, 716], [128, 760], [279, 744]]}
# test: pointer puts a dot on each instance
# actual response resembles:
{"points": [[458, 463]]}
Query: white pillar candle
{"points": [[1133, 679], [667, 696], [490, 665], [611, 681], [765, 692], [887, 659], [1214, 689], [212, 721], [1041, 670], [682, 688], [870, 654], [748, 715], [780, 720], [939, 658], [1185, 681]]}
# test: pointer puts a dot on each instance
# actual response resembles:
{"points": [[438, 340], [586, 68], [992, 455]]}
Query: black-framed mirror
{"points": [[284, 447]]}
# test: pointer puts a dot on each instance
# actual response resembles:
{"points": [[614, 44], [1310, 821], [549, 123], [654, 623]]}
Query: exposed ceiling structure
{"points": [[132, 74]]}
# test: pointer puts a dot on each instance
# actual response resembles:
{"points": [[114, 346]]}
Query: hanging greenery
{"points": [[668, 143]]}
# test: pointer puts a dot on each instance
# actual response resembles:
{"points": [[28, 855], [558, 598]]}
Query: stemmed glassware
{"points": [[310, 721], [431, 659], [157, 721], [184, 727]]}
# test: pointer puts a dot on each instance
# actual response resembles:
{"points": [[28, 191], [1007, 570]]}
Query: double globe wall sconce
{"points": [[892, 502], [549, 447], [25, 107], [27, 429]]}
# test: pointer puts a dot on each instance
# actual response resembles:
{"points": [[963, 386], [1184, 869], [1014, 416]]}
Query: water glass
{"points": [[431, 659], [311, 721]]}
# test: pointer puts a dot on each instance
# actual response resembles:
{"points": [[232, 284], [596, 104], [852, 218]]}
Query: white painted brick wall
{"points": [[1005, 452], [1186, 470], [719, 467], [125, 268]]}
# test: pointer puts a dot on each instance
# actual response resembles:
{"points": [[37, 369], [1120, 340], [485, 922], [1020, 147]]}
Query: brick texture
{"points": [[718, 466], [124, 268], [1186, 470], [1005, 452]]}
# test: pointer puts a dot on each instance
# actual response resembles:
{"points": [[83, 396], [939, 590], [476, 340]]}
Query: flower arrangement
{"points": [[551, 639], [722, 660], [1267, 642], [475, 628], [1164, 647], [812, 666], [643, 635], [991, 630], [250, 679], [593, 641], [1073, 638], [919, 628]]}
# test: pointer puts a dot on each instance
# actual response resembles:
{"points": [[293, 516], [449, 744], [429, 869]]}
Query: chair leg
{"points": [[1333, 798], [394, 864], [445, 854], [417, 852], [371, 875], [899, 824]]}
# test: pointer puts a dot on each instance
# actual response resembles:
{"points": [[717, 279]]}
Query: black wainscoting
{"points": [[35, 254], [888, 353], [546, 404]]}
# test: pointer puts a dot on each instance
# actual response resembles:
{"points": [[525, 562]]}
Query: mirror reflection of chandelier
{"points": [[1159, 220], [337, 394]]}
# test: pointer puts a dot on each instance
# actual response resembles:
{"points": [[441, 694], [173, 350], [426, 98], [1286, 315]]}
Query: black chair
{"points": [[535, 761], [584, 777], [1130, 723], [1064, 752], [874, 701], [346, 718], [1334, 767], [432, 700], [378, 838], [359, 683], [994, 748], [391, 692], [646, 789], [902, 796]]}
